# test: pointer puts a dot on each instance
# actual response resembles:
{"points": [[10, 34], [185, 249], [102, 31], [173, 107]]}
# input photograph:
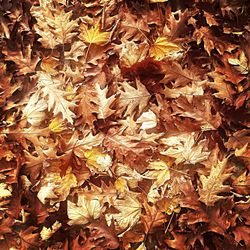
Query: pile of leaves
{"points": [[124, 124]]}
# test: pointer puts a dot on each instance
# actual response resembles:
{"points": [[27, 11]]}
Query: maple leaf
{"points": [[85, 210], [131, 176], [53, 25], [56, 100], [34, 111], [94, 35], [163, 48], [153, 218], [129, 212], [184, 148], [131, 97], [212, 185], [240, 64]]}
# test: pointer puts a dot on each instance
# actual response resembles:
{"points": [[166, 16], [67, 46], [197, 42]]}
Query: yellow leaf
{"points": [[70, 92], [56, 125], [94, 35], [46, 233], [49, 64], [163, 48], [5, 191], [121, 185], [97, 160]]}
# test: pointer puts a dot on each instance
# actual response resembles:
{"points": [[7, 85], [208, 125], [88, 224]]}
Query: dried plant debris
{"points": [[124, 124]]}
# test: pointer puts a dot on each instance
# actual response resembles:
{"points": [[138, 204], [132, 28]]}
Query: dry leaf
{"points": [[163, 48]]}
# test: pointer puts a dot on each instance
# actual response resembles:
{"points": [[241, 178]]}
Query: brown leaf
{"points": [[103, 235], [153, 218]]}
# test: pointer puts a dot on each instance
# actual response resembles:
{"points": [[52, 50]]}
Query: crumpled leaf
{"points": [[56, 187], [97, 161], [147, 119]]}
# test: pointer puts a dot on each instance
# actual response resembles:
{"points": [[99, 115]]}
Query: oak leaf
{"points": [[29, 238], [103, 234], [132, 26], [56, 101], [211, 41], [212, 185], [131, 97], [103, 102], [54, 25], [242, 233], [175, 74], [224, 89]]}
